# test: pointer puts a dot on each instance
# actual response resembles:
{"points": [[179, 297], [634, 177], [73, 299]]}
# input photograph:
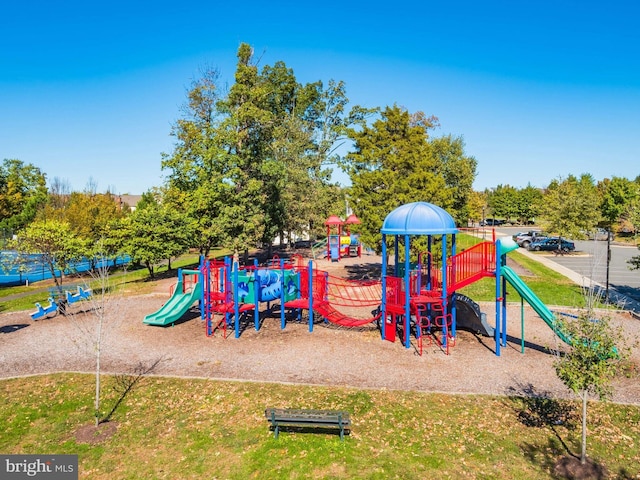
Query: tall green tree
{"points": [[528, 203], [250, 163], [619, 196], [395, 162], [503, 202], [571, 206], [511, 203], [23, 191]]}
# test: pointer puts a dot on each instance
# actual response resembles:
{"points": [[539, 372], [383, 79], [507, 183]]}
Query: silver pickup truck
{"points": [[524, 239]]}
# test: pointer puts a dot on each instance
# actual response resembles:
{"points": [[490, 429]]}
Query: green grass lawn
{"points": [[176, 428]]}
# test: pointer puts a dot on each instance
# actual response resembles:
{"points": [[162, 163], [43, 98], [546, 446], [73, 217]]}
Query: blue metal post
{"points": [[498, 322], [256, 295], [407, 292], [445, 306], [504, 312], [227, 287], [236, 297], [396, 250], [204, 304], [283, 322], [383, 307], [429, 263], [453, 294]]}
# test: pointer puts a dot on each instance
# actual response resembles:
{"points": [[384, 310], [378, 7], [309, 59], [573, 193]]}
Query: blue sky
{"points": [[538, 90]]}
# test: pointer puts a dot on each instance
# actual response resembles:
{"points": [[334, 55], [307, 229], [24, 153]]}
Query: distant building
{"points": [[128, 201]]}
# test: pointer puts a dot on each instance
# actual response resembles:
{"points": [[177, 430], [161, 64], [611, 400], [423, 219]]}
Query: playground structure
{"points": [[342, 244], [416, 299], [54, 306]]}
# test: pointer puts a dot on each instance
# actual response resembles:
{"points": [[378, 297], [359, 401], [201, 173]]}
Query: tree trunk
{"points": [[96, 405], [583, 453]]}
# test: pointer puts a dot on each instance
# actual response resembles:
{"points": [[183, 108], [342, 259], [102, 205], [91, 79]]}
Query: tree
{"points": [[620, 198], [571, 206], [596, 354], [56, 243], [395, 162], [104, 305], [148, 199], [512, 203], [153, 234], [22, 192], [528, 203], [88, 214], [249, 164], [93, 326], [503, 201], [476, 202]]}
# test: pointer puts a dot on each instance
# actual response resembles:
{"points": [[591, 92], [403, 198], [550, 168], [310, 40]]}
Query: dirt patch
{"points": [[571, 468], [94, 435]]}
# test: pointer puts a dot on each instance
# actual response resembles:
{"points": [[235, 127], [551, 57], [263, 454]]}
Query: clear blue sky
{"points": [[537, 89]]}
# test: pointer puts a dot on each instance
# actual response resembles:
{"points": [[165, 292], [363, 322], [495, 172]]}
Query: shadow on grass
{"points": [[126, 382], [536, 409]]}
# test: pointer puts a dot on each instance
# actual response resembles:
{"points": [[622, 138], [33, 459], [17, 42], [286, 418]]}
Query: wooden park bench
{"points": [[308, 419]]}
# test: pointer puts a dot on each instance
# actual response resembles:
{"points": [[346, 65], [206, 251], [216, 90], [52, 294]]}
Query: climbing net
{"points": [[353, 293]]}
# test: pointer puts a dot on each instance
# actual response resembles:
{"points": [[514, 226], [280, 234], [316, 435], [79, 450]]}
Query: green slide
{"points": [[177, 305], [532, 299]]}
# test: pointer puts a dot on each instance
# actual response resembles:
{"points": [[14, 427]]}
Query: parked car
{"points": [[600, 234], [516, 235], [552, 244], [524, 239], [491, 222]]}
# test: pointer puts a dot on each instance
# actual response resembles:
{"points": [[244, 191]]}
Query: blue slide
{"points": [[532, 299], [177, 305]]}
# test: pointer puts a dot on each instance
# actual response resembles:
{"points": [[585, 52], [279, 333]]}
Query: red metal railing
{"points": [[471, 265]]}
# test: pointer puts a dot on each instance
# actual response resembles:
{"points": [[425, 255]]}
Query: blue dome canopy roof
{"points": [[418, 218]]}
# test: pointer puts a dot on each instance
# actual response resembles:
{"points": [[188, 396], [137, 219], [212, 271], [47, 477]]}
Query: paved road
{"points": [[590, 261]]}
